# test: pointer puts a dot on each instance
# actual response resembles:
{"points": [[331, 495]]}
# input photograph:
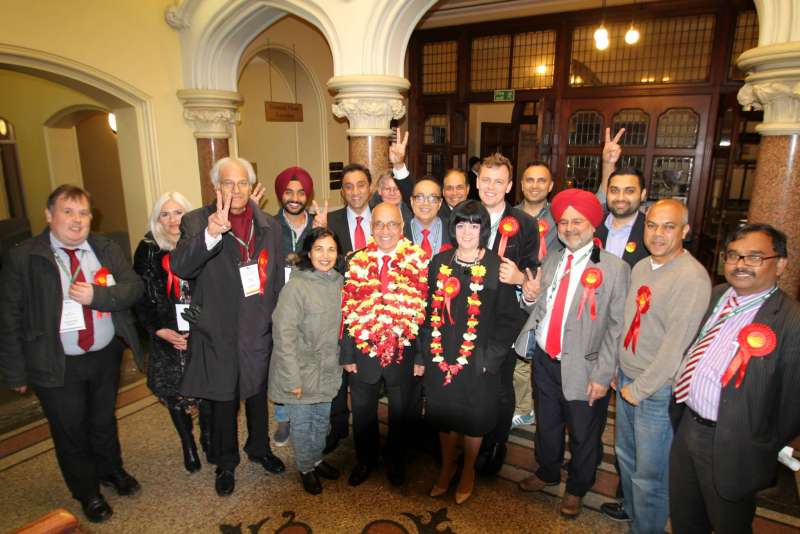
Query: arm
{"points": [[146, 308], [287, 317], [397, 157], [127, 290], [192, 253], [606, 366], [12, 359], [788, 417], [503, 326], [612, 151]]}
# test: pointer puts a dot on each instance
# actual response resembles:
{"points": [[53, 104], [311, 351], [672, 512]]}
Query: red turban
{"points": [[583, 201], [294, 173]]}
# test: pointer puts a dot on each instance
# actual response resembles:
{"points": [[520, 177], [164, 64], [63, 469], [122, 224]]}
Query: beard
{"points": [[293, 208], [624, 212]]}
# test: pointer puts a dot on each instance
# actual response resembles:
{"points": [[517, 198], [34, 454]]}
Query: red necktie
{"points": [[360, 238], [85, 336], [426, 244], [552, 344], [384, 273]]}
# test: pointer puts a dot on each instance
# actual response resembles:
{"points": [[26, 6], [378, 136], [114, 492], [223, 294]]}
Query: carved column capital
{"points": [[369, 102], [773, 84], [212, 113]]}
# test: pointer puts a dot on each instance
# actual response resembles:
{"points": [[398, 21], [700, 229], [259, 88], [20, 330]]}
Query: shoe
{"points": [[269, 462], [225, 482], [521, 419], [463, 496], [191, 462], [534, 483], [437, 491], [96, 509], [396, 474], [331, 442], [359, 474], [281, 436], [311, 482], [570, 506], [327, 471], [123, 482], [615, 511]]}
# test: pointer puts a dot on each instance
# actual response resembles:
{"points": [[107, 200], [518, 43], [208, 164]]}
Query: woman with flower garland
{"points": [[464, 341]]}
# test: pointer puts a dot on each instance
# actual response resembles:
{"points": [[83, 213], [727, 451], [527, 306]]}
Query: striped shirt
{"points": [[435, 238], [706, 386]]}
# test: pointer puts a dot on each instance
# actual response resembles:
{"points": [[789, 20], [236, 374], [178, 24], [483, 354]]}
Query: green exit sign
{"points": [[503, 95]]}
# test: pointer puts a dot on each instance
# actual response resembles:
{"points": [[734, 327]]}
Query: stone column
{"points": [[213, 114], [369, 103]]}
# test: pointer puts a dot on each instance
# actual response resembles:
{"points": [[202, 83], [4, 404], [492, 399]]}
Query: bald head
{"points": [[666, 227], [387, 226]]}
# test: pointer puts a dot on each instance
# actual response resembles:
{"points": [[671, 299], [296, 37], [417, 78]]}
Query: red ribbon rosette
{"points": [[642, 305], [755, 340], [630, 247], [544, 227], [591, 280], [445, 246], [509, 227], [598, 242], [263, 260], [451, 288], [101, 279], [173, 282]]}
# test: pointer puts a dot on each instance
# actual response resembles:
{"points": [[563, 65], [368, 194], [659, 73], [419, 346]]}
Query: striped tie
{"points": [[683, 385]]}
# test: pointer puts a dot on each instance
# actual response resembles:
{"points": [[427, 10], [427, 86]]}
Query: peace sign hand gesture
{"points": [[218, 221], [612, 149], [320, 216], [397, 150]]}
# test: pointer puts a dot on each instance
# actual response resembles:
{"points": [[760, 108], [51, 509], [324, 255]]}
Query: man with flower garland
{"points": [[384, 299], [572, 337]]}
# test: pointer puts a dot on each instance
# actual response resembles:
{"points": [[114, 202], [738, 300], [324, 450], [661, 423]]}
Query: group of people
{"points": [[467, 314]]}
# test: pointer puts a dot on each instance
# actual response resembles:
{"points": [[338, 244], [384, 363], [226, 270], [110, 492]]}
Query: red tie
{"points": [[426, 244], [360, 238], [552, 344], [384, 273], [85, 336]]}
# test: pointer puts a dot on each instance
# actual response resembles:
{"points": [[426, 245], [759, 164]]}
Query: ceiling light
{"points": [[632, 35], [112, 122], [541, 69], [665, 79], [3, 127], [601, 38]]}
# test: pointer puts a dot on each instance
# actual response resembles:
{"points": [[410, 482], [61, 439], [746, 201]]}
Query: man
{"points": [[67, 296], [374, 360], [668, 295], [474, 170], [231, 254], [426, 229], [455, 189], [573, 346], [733, 416], [520, 254]]}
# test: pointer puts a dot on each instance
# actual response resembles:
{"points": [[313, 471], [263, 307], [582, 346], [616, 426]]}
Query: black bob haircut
{"points": [[471, 211], [308, 243], [778, 237], [628, 171]]}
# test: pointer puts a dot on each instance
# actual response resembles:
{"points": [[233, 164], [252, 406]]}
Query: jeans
{"points": [[309, 428], [281, 414], [643, 440]]}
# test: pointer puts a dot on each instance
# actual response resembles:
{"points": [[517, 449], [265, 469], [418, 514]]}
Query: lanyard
{"points": [[249, 241], [735, 312], [70, 275], [557, 279]]}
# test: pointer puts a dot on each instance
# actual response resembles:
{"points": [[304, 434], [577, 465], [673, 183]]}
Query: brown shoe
{"points": [[534, 483], [570, 506]]}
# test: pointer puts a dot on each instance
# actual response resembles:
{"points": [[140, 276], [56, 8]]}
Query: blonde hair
{"points": [[498, 160], [156, 228]]}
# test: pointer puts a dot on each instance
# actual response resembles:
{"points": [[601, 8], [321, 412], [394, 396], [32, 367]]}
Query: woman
{"points": [[464, 340], [158, 312], [304, 372], [387, 190]]}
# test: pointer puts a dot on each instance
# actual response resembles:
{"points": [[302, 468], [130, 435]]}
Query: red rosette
{"points": [[756, 340], [173, 282], [101, 279], [509, 227], [591, 280], [445, 246], [544, 227], [598, 242], [450, 289], [642, 306], [263, 260], [630, 247]]}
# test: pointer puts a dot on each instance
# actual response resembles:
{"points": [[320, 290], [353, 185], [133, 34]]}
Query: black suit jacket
{"points": [[636, 237], [337, 223], [759, 418]]}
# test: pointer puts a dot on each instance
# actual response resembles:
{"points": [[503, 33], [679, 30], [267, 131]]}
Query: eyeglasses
{"points": [[390, 190], [430, 199], [380, 225], [751, 260], [241, 186]]}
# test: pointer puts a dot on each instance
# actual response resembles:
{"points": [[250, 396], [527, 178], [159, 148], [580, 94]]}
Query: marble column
{"points": [[369, 103], [213, 114]]}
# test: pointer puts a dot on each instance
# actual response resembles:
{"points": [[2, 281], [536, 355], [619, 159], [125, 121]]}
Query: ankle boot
{"points": [[204, 417], [183, 424]]}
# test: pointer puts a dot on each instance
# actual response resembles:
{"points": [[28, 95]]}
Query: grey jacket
{"points": [[589, 349], [305, 330]]}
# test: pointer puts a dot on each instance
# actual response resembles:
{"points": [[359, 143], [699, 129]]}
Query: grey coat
{"points": [[589, 348], [305, 330]]}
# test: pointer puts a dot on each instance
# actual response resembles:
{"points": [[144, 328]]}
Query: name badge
{"points": [[250, 281], [287, 273], [183, 324], [71, 316], [110, 280]]}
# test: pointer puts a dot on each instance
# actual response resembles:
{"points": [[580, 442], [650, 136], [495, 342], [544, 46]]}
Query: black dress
{"points": [[468, 404]]}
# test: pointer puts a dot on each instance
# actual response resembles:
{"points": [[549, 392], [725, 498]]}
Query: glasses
{"points": [[390, 190], [430, 199], [751, 260], [241, 186], [380, 225]]}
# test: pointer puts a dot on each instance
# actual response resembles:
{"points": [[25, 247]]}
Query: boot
{"points": [[204, 417], [183, 424]]}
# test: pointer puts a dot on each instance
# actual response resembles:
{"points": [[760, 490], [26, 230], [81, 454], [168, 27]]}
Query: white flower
{"points": [[469, 337], [462, 360]]}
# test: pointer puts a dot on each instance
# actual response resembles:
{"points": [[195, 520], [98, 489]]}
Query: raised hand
{"points": [[258, 194], [218, 222], [320, 216], [532, 285], [397, 150], [612, 149]]}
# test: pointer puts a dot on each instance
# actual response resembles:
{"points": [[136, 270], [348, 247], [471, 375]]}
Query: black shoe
{"points": [[331, 442], [396, 473], [359, 474], [311, 482], [225, 482], [326, 470], [615, 511], [190, 459], [269, 462], [96, 509], [123, 482]]}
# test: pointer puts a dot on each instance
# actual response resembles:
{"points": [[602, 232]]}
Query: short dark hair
{"points": [[428, 178], [353, 167], [304, 264], [628, 171], [471, 211], [68, 192], [539, 163], [454, 170], [778, 238], [472, 161]]}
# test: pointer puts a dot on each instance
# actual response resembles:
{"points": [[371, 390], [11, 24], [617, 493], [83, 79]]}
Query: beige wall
{"points": [[479, 113]]}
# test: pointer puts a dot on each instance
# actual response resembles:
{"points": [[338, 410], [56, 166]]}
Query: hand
{"points": [[595, 391], [397, 150], [611, 149], [218, 221], [258, 194], [419, 370], [297, 392], [21, 389], [320, 215], [82, 293], [351, 368], [176, 339], [614, 382], [628, 396], [192, 314], [510, 273], [532, 285]]}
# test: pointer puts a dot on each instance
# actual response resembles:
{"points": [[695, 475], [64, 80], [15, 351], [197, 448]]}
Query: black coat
{"points": [[337, 223], [636, 237], [31, 352], [232, 340]]}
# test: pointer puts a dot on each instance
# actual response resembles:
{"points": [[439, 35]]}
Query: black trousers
{"points": [[506, 402], [225, 430], [554, 415], [82, 420], [364, 398], [694, 504], [340, 413]]}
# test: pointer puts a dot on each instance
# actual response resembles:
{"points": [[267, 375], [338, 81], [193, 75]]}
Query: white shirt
{"points": [[494, 219], [366, 224], [579, 260]]}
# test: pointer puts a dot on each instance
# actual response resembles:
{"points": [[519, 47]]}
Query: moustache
{"points": [[737, 272]]}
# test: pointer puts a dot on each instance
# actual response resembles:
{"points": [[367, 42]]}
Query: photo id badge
{"points": [[287, 273], [110, 282], [251, 284], [71, 317], [183, 324]]}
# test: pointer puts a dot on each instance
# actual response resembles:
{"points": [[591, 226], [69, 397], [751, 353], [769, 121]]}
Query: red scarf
{"points": [[240, 226]]}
